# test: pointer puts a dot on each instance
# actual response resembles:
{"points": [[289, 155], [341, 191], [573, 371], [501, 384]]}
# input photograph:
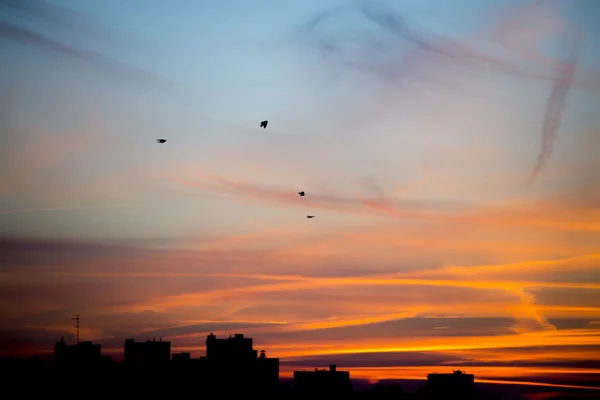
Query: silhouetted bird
{"points": [[264, 124], [301, 193], [310, 216], [161, 140]]}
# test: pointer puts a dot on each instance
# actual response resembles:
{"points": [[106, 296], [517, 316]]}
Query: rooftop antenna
{"points": [[76, 318]]}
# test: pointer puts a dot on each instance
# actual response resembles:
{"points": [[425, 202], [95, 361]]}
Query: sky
{"points": [[448, 150]]}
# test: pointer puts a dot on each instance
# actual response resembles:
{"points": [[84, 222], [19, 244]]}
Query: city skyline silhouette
{"points": [[232, 366]]}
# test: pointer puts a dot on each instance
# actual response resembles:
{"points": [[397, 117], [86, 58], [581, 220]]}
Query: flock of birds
{"points": [[263, 125]]}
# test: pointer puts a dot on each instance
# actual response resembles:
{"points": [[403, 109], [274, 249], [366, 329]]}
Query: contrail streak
{"points": [[68, 208], [394, 23], [26, 36], [49, 12], [448, 49], [555, 105]]}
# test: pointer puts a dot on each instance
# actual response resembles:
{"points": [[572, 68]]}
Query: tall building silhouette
{"points": [[233, 361]]}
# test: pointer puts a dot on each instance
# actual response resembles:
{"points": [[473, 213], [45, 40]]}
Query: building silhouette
{"points": [[233, 348], [79, 353], [456, 385], [322, 381], [230, 368], [181, 357], [148, 353], [234, 363]]}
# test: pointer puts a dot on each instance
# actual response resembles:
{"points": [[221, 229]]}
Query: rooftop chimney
{"points": [[332, 368]]}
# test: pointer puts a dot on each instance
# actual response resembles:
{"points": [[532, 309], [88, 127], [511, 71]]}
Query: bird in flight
{"points": [[161, 140], [310, 216], [301, 193], [263, 124]]}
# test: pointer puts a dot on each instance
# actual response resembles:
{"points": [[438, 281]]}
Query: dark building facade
{"points": [[233, 348], [322, 381], [181, 357], [231, 368], [78, 353], [147, 353], [232, 363], [456, 385]]}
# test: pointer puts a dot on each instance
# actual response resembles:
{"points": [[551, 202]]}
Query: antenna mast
{"points": [[76, 318]]}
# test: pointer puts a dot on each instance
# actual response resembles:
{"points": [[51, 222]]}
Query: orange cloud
{"points": [[319, 301]]}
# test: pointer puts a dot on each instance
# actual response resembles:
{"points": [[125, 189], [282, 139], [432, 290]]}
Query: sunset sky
{"points": [[414, 128]]}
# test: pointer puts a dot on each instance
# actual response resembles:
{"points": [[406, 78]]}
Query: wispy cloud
{"points": [[296, 315], [427, 51], [555, 104], [68, 208], [113, 68], [541, 214]]}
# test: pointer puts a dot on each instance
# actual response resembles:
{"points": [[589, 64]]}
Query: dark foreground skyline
{"points": [[232, 366]]}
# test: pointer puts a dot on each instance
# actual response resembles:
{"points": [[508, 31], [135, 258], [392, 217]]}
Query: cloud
{"points": [[204, 328], [319, 301], [56, 16], [375, 360], [429, 49], [395, 24], [416, 208], [91, 260], [521, 30], [55, 252], [555, 105], [77, 23], [28, 210], [45, 11], [569, 297], [399, 329], [550, 356], [113, 68], [525, 27], [541, 213]]}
